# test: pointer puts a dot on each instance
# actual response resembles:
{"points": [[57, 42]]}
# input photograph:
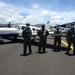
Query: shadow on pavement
{"points": [[51, 46], [12, 40], [41, 52], [25, 54]]}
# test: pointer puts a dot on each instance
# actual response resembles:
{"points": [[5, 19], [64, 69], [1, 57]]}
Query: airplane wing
{"points": [[51, 33], [6, 32]]}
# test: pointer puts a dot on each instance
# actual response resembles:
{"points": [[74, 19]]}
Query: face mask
{"points": [[27, 26]]}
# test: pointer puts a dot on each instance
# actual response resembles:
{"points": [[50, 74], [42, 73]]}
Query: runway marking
{"points": [[66, 44]]}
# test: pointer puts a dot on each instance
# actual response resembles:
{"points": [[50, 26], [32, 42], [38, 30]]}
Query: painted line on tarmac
{"points": [[66, 44]]}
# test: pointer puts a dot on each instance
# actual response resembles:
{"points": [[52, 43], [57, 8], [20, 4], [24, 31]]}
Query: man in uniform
{"points": [[70, 37], [57, 39], [27, 39], [42, 38]]}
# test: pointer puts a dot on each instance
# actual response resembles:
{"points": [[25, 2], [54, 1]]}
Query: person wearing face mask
{"points": [[43, 33], [57, 39], [70, 37], [27, 39]]}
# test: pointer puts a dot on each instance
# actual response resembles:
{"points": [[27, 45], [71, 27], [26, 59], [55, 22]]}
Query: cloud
{"points": [[2, 4], [10, 13], [33, 15], [35, 6]]}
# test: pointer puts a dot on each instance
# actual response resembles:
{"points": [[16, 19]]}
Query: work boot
{"points": [[67, 53], [39, 51], [43, 51], [54, 49], [73, 53]]}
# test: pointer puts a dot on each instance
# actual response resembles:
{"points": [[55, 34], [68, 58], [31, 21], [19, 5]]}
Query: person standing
{"points": [[43, 33], [70, 37], [57, 39], [27, 39]]}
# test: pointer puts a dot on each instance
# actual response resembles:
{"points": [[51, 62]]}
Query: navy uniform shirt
{"points": [[71, 34], [43, 34], [26, 33], [57, 34]]}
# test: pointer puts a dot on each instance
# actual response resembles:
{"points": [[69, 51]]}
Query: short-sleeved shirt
{"points": [[26, 33], [57, 34], [71, 34], [43, 34]]}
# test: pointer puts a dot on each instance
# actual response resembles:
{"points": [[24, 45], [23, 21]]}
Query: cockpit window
{"points": [[62, 29], [23, 27], [33, 29], [37, 29], [18, 28]]}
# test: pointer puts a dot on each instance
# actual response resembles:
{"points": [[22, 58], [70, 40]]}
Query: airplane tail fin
{"points": [[47, 27], [9, 25]]}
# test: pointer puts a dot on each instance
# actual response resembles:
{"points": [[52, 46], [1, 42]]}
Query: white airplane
{"points": [[16, 31], [63, 29]]}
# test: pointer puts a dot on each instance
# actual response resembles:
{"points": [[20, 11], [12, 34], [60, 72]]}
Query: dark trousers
{"points": [[69, 44], [57, 40], [27, 43], [42, 44]]}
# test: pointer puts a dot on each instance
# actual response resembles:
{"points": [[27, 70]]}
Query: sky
{"points": [[37, 11]]}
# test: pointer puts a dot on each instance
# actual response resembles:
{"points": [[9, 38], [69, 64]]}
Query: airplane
{"points": [[53, 29], [16, 31], [63, 29]]}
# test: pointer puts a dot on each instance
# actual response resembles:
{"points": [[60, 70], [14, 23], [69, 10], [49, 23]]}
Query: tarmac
{"points": [[13, 62]]}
